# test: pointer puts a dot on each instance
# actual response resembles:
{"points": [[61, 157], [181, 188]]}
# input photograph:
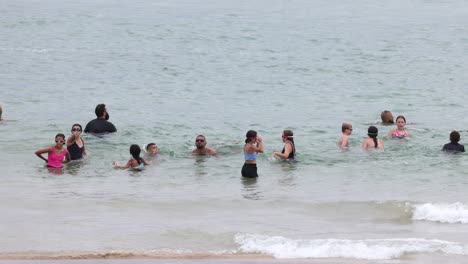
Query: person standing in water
{"points": [[289, 149], [253, 145], [101, 123], [400, 132], [372, 141], [346, 130], [200, 147], [55, 154], [75, 144], [454, 146]]}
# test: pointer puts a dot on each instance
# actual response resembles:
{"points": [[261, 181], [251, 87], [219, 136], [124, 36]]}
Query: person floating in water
{"points": [[201, 149], [57, 154], [152, 149], [289, 149], [372, 141], [101, 123], [454, 146], [136, 162], [346, 130], [400, 132], [387, 117], [253, 145]]}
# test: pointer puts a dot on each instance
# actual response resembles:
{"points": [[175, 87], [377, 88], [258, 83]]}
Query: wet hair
{"points": [[454, 137], [290, 136], [100, 109], [384, 115], [60, 135], [400, 116], [345, 126], [149, 146], [250, 135], [135, 152], [74, 125], [372, 132]]}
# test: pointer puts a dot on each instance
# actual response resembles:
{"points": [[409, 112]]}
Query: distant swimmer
{"points": [[152, 149], [101, 123], [400, 132], [289, 149], [346, 130], [372, 141], [136, 162], [57, 154], [1, 112], [253, 145], [76, 144], [201, 149], [454, 146], [387, 117]]}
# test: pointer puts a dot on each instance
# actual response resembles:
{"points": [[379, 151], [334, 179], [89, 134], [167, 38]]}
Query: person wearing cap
{"points": [[289, 149], [372, 141], [201, 149], [253, 145], [454, 146], [100, 124], [387, 117]]}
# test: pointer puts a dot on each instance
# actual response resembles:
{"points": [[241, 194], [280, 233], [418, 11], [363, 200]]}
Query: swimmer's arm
{"points": [[391, 133], [259, 148], [285, 155], [67, 158], [344, 142], [71, 140], [146, 162], [39, 153], [84, 148], [126, 166]]}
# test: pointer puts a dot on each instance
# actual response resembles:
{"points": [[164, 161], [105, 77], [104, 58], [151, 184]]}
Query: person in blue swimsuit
{"points": [[136, 162], [253, 145]]}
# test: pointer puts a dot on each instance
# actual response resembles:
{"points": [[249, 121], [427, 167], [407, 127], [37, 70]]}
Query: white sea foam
{"points": [[441, 212], [280, 247]]}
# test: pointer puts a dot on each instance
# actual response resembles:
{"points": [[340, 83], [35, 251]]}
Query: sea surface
{"points": [[170, 70]]}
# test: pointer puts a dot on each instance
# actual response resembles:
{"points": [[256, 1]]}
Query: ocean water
{"points": [[170, 70]]}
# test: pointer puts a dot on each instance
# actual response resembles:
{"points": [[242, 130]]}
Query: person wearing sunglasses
{"points": [[201, 149], [100, 124], [75, 144], [289, 149], [346, 130], [57, 154]]}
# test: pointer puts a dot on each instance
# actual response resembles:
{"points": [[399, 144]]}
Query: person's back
{"points": [[454, 146], [100, 124]]}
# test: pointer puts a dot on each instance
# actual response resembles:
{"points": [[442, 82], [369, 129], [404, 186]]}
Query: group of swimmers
{"points": [[75, 145]]}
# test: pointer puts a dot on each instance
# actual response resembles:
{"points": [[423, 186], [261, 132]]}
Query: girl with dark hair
{"points": [[253, 145], [372, 141], [289, 149], [55, 154], [400, 132], [75, 144], [135, 162]]}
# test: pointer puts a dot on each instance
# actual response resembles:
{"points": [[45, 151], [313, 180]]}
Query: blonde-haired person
{"points": [[289, 149], [346, 130]]}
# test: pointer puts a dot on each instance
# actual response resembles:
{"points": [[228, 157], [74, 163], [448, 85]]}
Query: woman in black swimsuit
{"points": [[289, 149], [75, 144]]}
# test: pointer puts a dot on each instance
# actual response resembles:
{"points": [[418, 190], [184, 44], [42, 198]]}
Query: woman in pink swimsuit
{"points": [[55, 154], [400, 132]]}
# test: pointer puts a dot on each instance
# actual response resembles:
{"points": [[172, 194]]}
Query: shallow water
{"points": [[171, 70]]}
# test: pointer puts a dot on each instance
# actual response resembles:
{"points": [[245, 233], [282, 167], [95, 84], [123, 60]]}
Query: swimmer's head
{"points": [[101, 111], [400, 119], [250, 136], [200, 142], [347, 127], [135, 151], [288, 135], [152, 148], [387, 117], [454, 137], [372, 132], [60, 139], [76, 127]]}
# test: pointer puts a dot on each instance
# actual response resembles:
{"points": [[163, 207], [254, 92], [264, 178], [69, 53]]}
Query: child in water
{"points": [[55, 154], [346, 129], [136, 162], [152, 149], [400, 132]]}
